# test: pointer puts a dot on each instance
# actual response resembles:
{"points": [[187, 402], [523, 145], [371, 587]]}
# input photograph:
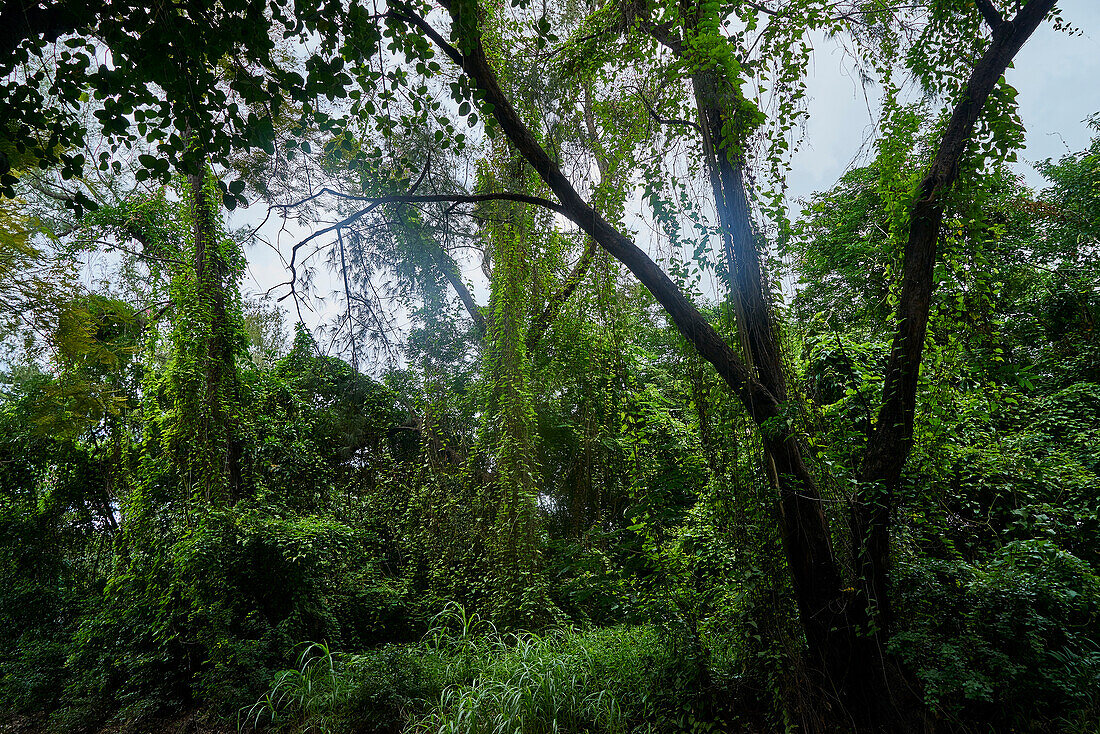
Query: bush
{"points": [[203, 616], [1012, 641]]}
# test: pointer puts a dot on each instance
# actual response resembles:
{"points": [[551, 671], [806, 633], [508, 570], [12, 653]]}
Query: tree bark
{"points": [[892, 437], [755, 323]]}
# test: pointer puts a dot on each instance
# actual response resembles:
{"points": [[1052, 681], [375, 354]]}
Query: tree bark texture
{"points": [[892, 437]]}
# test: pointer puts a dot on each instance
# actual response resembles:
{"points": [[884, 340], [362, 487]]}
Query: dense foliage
{"points": [[609, 499]]}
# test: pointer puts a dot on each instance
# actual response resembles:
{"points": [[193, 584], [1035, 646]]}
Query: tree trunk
{"points": [[218, 353], [892, 437], [806, 538], [848, 656]]}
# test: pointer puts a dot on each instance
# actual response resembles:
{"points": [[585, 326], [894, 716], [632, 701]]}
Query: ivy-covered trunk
{"points": [[518, 594], [208, 337], [725, 121]]}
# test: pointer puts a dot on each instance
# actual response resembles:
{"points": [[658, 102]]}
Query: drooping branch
{"points": [[347, 300], [409, 198], [443, 260], [377, 201]]}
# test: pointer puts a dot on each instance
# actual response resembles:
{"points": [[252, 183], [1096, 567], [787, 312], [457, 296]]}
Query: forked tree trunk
{"points": [[850, 657]]}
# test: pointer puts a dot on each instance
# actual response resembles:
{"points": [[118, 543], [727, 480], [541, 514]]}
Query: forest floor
{"points": [[194, 722]]}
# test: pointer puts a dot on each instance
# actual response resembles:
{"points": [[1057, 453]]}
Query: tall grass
{"points": [[530, 684], [306, 696], [467, 677]]}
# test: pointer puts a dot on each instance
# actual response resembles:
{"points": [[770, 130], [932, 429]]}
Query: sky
{"points": [[1056, 75]]}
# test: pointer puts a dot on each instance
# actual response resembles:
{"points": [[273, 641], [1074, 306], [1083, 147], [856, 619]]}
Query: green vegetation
{"points": [[642, 488]]}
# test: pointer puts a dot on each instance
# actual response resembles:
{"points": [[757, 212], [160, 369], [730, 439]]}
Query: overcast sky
{"points": [[1057, 77]]}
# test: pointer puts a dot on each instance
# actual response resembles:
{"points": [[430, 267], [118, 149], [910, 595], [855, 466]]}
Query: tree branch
{"points": [[760, 8], [668, 120], [990, 13], [453, 274], [891, 439], [759, 402], [411, 198]]}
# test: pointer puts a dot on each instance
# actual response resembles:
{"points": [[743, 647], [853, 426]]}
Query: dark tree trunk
{"points": [[892, 437], [837, 651], [755, 323], [872, 693], [806, 538]]}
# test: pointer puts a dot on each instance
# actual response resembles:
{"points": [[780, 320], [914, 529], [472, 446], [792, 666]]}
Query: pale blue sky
{"points": [[1057, 77]]}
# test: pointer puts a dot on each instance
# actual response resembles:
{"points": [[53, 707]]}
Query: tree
{"points": [[831, 619], [844, 628]]}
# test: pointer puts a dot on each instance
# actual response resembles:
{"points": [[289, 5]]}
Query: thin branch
{"points": [[347, 300], [411, 198], [667, 120], [760, 8], [414, 199]]}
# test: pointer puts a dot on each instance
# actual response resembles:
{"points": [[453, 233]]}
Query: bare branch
{"points": [[667, 120], [410, 198]]}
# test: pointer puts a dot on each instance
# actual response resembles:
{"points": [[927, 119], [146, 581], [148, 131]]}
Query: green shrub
{"points": [[1011, 641]]}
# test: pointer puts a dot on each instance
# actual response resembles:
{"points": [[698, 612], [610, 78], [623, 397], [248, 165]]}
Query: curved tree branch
{"points": [[813, 566]]}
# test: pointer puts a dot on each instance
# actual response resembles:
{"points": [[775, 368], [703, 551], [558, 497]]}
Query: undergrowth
{"points": [[466, 676]]}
